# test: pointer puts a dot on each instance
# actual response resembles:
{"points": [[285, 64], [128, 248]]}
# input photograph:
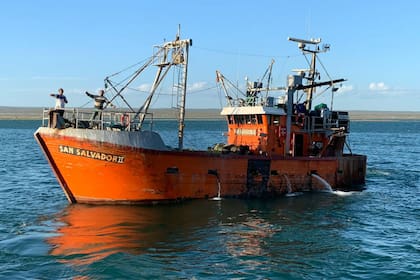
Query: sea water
{"points": [[373, 234]]}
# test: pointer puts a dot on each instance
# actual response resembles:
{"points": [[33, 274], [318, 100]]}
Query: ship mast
{"points": [[182, 88], [313, 74], [174, 53]]}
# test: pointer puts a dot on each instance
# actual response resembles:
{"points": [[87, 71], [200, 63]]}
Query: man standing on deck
{"points": [[60, 101], [99, 100]]}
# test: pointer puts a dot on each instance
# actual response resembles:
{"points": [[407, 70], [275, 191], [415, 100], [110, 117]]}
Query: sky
{"points": [[75, 44]]}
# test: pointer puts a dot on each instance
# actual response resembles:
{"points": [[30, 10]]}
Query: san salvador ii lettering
{"points": [[91, 154]]}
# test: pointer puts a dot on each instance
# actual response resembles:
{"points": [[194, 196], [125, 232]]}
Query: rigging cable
{"points": [[323, 67], [129, 67], [242, 54]]}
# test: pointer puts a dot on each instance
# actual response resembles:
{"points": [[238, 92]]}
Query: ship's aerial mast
{"points": [[302, 44], [313, 74]]}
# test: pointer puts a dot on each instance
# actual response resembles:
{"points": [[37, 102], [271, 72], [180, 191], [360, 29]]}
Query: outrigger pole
{"points": [[133, 77], [171, 53]]}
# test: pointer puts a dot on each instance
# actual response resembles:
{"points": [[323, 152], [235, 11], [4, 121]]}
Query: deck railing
{"points": [[94, 119], [333, 121]]}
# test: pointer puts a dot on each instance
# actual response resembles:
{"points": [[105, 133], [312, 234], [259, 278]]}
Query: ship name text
{"points": [[91, 154]]}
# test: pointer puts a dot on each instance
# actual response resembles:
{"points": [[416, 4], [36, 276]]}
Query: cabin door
{"points": [[298, 148], [258, 175]]}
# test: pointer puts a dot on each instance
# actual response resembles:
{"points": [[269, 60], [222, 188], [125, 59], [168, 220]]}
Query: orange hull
{"points": [[96, 171]]}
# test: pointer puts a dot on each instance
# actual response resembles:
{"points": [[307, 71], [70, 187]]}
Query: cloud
{"points": [[197, 86], [345, 88], [144, 87], [378, 86]]}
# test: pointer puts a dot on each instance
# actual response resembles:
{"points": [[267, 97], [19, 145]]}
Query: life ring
{"points": [[281, 131], [300, 120], [125, 119]]}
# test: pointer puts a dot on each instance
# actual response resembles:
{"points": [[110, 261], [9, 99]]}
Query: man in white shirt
{"points": [[60, 101]]}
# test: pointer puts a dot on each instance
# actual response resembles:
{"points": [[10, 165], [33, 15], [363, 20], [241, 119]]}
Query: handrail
{"points": [[121, 120], [317, 123]]}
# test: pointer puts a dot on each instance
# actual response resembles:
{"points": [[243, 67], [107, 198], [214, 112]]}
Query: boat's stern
{"points": [[351, 172]]}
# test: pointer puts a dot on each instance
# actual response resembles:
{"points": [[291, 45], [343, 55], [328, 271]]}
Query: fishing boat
{"points": [[274, 145]]}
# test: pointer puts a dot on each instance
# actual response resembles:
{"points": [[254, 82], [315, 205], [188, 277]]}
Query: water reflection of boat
{"points": [[92, 233], [232, 230]]}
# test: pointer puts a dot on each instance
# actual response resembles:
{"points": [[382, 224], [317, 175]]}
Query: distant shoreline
{"points": [[35, 113]]}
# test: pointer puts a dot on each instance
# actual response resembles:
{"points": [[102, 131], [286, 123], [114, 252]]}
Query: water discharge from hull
{"points": [[219, 187], [289, 186], [321, 180], [343, 193], [290, 192], [293, 194]]}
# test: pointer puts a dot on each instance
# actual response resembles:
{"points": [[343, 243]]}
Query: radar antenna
{"points": [[313, 74]]}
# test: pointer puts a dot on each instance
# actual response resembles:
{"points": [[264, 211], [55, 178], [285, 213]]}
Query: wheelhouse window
{"points": [[230, 119], [245, 119]]}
